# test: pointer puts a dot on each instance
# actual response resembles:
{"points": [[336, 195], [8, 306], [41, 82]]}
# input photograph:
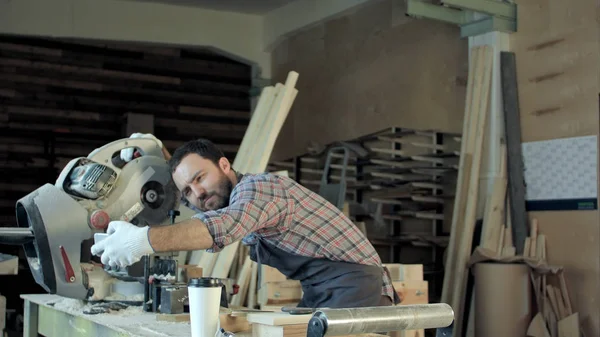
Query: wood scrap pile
{"points": [[555, 317]]}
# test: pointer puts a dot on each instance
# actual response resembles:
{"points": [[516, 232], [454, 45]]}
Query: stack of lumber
{"points": [[62, 99], [269, 115], [467, 187]]}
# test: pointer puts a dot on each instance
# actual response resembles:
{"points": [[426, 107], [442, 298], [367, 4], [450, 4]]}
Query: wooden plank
{"points": [[126, 96], [403, 177], [493, 221], [243, 282], [227, 322], [277, 318], [512, 120], [430, 215], [288, 291], [412, 292], [389, 151], [67, 69], [464, 167], [190, 85], [405, 272], [569, 326], [248, 148], [270, 275], [252, 292], [392, 163], [174, 65], [70, 114], [256, 159], [463, 250]]}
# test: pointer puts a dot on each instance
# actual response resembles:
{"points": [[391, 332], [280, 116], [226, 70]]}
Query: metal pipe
{"points": [[16, 235], [339, 322], [19, 232]]}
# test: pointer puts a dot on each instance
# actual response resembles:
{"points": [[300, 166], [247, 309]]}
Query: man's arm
{"points": [[190, 234]]}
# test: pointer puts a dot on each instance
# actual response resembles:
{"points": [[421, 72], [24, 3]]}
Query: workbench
{"points": [[56, 316]]}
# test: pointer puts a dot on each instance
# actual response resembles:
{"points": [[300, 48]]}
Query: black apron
{"points": [[325, 283]]}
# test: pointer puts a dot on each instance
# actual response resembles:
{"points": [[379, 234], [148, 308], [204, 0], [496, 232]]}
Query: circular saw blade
{"points": [[159, 214]]}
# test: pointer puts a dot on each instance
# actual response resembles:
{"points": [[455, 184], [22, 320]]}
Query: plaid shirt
{"points": [[292, 218]]}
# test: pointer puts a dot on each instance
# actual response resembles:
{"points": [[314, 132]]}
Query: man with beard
{"points": [[286, 226]]}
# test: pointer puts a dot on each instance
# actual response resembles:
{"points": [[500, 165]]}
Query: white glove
{"points": [[124, 245], [127, 154]]}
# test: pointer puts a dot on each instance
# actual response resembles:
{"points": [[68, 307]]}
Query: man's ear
{"points": [[224, 165]]}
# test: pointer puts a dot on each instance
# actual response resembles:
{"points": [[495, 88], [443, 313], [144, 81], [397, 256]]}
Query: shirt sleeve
{"points": [[254, 205]]}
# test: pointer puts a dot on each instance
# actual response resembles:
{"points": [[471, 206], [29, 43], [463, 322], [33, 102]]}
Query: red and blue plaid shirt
{"points": [[292, 218]]}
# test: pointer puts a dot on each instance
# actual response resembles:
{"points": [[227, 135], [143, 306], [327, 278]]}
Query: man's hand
{"points": [[124, 245], [127, 154]]}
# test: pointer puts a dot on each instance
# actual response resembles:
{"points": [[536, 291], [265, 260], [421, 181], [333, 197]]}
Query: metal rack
{"points": [[401, 190]]}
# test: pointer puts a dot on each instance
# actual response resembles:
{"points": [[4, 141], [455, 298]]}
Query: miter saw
{"points": [[57, 222]]}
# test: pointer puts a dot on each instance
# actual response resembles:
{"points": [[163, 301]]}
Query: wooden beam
{"points": [[516, 179]]}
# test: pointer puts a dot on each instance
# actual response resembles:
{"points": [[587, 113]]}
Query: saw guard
{"points": [[60, 221], [52, 230]]}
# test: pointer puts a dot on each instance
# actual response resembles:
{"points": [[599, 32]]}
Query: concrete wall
{"points": [[369, 70]]}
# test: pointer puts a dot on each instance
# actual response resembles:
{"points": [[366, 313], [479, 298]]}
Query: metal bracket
{"points": [[419, 9], [499, 16], [486, 25], [491, 7]]}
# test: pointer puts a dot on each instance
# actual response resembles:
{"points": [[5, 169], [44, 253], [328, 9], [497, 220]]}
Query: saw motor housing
{"points": [[89, 193]]}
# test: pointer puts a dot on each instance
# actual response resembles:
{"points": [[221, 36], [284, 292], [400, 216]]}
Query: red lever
{"points": [[236, 289], [69, 273]]}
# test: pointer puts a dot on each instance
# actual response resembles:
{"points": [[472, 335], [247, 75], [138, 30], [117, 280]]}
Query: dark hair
{"points": [[202, 147]]}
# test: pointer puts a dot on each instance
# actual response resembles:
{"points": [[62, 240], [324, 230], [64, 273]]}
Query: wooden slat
{"points": [[190, 85], [136, 63]]}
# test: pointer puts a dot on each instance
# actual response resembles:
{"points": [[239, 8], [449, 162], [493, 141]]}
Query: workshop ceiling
{"points": [[258, 7]]}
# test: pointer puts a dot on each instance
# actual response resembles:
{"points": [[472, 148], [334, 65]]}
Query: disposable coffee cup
{"points": [[204, 296]]}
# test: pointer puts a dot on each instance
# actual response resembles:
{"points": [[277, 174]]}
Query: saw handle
{"points": [[146, 146]]}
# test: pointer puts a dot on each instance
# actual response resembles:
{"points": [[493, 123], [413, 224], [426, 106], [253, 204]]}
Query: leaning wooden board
{"points": [[259, 143]]}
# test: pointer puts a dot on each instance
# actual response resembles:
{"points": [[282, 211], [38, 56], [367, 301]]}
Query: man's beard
{"points": [[221, 195]]}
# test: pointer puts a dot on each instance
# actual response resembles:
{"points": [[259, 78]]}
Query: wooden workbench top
{"points": [[127, 322]]}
